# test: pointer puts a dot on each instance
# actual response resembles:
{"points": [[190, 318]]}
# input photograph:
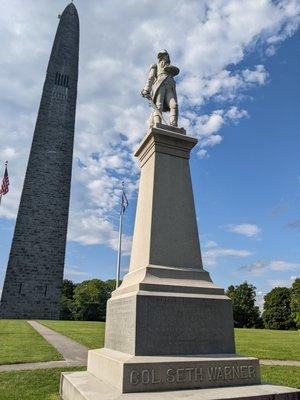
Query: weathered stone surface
{"points": [[165, 230], [151, 323], [145, 374], [33, 280], [167, 303], [85, 386]]}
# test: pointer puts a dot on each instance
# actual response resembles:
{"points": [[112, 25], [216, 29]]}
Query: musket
{"points": [[148, 97]]}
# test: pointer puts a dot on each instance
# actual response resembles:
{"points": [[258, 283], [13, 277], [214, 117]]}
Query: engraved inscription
{"points": [[179, 376], [120, 325]]}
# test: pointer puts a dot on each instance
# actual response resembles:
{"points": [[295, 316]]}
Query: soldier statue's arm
{"points": [[151, 79]]}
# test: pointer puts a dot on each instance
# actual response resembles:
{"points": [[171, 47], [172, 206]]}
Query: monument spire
{"points": [[34, 275]]}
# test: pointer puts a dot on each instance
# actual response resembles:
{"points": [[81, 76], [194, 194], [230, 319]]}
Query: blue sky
{"points": [[238, 93]]}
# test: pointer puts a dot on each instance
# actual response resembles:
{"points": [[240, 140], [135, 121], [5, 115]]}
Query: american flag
{"points": [[124, 201], [5, 182]]}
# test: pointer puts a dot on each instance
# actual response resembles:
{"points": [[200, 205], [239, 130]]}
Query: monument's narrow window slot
{"points": [[20, 288], [46, 289], [62, 80]]}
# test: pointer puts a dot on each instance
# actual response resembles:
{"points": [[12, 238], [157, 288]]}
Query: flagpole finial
{"points": [[6, 162]]}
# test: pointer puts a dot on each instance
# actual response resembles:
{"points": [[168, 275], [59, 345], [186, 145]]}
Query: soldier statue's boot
{"points": [[174, 117], [156, 119]]}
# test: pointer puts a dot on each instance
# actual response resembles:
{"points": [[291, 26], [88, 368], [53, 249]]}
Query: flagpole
{"points": [[120, 239], [119, 248]]}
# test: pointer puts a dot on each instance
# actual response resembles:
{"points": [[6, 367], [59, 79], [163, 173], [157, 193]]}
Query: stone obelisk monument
{"points": [[34, 275], [168, 326]]}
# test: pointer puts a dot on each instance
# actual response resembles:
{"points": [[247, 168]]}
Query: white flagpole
{"points": [[119, 249], [120, 240]]}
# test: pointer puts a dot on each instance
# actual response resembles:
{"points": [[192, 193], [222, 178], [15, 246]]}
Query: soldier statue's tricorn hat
{"points": [[162, 53]]}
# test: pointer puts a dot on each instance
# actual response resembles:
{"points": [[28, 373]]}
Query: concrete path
{"points": [[38, 365], [280, 362], [68, 348], [74, 353]]}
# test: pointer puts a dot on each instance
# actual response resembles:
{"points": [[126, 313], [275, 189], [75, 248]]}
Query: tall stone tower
{"points": [[33, 281]]}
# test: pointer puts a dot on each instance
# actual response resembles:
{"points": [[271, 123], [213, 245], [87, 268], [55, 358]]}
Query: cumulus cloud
{"points": [[119, 41], [249, 230], [260, 267]]}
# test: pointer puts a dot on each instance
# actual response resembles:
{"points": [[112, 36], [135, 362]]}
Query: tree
{"points": [[245, 313], [90, 299], [277, 309], [66, 303], [68, 288], [295, 302]]}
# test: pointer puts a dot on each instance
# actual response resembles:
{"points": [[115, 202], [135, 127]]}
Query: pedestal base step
{"points": [[131, 374], [84, 386]]}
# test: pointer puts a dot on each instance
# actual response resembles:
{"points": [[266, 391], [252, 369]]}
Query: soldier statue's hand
{"points": [[145, 93]]}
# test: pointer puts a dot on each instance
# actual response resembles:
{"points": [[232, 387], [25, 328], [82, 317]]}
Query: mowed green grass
{"points": [[268, 344], [261, 343], [281, 375], [20, 343], [90, 334], [41, 384], [44, 384]]}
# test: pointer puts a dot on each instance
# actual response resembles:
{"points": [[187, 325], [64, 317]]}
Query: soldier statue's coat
{"points": [[161, 88]]}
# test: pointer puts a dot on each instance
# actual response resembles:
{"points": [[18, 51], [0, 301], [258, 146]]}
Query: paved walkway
{"points": [[38, 365], [75, 354], [68, 348], [280, 362]]}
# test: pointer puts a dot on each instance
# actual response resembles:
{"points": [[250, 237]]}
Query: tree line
{"points": [[86, 301], [281, 309]]}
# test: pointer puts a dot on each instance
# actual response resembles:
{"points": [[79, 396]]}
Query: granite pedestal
{"points": [[168, 326]]}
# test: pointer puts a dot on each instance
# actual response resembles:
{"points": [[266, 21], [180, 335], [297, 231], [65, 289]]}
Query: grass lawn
{"points": [[261, 343], [268, 344], [90, 334], [41, 384], [20, 343], [281, 375], [44, 384]]}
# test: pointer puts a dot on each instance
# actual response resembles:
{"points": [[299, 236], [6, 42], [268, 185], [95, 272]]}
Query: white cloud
{"points": [[256, 76], [293, 225], [71, 272], [209, 244], [249, 230], [283, 266], [260, 267], [280, 283], [212, 252], [202, 153], [259, 299], [119, 41], [234, 114]]}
